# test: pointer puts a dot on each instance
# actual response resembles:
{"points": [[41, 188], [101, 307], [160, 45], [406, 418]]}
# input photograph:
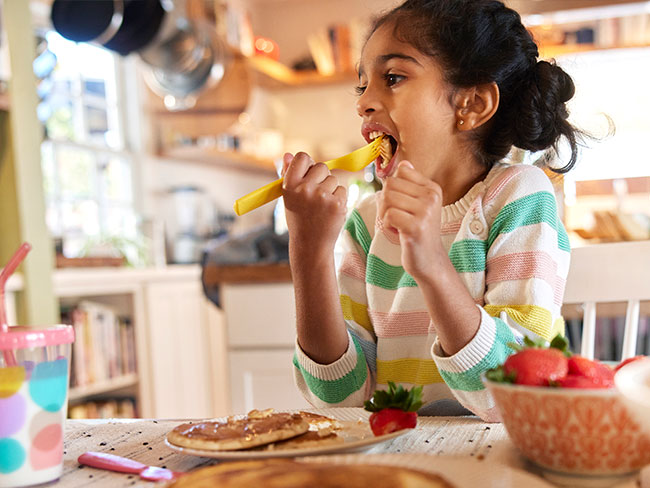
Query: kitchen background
{"points": [[182, 309]]}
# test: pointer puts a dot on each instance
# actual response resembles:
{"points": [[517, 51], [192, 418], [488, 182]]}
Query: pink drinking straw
{"points": [[7, 271]]}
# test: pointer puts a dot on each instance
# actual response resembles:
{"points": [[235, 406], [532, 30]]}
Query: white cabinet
{"points": [[263, 379], [181, 380], [177, 332], [261, 321]]}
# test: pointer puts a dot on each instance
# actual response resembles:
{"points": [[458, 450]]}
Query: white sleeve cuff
{"points": [[473, 352], [333, 371]]}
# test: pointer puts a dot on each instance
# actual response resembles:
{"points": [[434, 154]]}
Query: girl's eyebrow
{"points": [[384, 58]]}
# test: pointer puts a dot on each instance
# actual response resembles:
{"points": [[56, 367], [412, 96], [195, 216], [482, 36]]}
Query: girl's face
{"points": [[403, 94]]}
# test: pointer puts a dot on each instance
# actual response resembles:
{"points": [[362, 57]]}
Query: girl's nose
{"points": [[366, 104]]}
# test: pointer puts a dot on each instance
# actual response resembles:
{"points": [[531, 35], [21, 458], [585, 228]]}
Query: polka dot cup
{"points": [[34, 377]]}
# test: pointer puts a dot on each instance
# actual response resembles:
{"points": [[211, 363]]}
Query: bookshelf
{"points": [[176, 332], [79, 393]]}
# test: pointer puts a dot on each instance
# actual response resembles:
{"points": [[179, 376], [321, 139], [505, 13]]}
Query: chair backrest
{"points": [[616, 272]]}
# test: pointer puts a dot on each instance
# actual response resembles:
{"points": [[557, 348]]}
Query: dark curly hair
{"points": [[483, 41]]}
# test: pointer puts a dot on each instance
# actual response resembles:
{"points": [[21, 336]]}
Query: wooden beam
{"points": [[22, 214]]}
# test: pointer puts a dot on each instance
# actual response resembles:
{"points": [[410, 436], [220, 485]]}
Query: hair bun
{"points": [[541, 112]]}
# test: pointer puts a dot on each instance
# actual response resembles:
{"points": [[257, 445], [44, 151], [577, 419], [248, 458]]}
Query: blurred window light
{"points": [[87, 168]]}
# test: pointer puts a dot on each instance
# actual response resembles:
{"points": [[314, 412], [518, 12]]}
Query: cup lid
{"points": [[21, 337]]}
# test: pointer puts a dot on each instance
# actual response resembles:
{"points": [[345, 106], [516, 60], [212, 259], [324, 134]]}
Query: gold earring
{"points": [[461, 122]]}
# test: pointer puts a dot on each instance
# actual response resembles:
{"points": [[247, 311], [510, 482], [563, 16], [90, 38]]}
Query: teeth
{"points": [[386, 152], [375, 134]]}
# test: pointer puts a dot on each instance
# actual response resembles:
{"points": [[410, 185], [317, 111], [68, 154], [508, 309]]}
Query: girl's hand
{"points": [[412, 205], [315, 203]]}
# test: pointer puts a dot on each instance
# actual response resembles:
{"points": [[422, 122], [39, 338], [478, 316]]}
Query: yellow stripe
{"points": [[356, 312], [409, 370], [532, 317]]}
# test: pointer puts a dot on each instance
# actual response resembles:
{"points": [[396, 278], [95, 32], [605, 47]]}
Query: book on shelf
{"points": [[104, 348], [124, 408], [337, 47]]}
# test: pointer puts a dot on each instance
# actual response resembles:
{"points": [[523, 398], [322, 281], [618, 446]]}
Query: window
{"points": [[86, 164]]}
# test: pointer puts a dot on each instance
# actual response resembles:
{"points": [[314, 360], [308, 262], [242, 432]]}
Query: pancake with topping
{"points": [[282, 473], [255, 429]]}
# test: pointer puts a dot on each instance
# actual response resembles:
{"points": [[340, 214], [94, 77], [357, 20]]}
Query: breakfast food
{"points": [[281, 473], [255, 429], [322, 432], [394, 409], [535, 364]]}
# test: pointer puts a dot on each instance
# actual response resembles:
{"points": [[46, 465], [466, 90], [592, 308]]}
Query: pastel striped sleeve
{"points": [[349, 380], [526, 265], [343, 383]]}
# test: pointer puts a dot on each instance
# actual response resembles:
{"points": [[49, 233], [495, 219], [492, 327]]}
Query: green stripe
{"points": [[470, 380], [358, 230], [335, 391], [529, 210], [384, 275], [468, 255]]}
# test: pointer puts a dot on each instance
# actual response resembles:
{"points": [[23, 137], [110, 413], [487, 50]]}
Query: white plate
{"points": [[356, 435], [460, 471]]}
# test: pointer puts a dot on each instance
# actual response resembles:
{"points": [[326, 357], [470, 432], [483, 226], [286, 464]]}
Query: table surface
{"points": [[465, 442]]}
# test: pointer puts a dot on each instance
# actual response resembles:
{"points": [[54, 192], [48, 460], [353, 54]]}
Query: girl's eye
{"points": [[392, 79], [359, 90]]}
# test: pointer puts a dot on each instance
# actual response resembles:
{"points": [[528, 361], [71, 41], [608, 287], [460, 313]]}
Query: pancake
{"points": [[282, 473], [310, 439], [255, 429]]}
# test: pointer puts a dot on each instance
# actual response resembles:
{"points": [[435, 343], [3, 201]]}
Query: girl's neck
{"points": [[458, 178]]}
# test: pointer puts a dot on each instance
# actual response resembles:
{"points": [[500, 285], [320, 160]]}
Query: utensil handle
{"points": [[259, 197], [111, 462]]}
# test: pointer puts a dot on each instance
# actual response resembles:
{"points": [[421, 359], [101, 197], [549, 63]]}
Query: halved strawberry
{"points": [[627, 361], [579, 381], [599, 373], [394, 409]]}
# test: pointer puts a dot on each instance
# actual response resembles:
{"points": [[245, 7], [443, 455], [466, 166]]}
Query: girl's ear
{"points": [[476, 105]]}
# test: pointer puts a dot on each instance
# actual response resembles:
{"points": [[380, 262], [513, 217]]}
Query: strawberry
{"points": [[394, 409], [579, 381], [627, 361], [536, 367], [601, 375], [534, 363]]}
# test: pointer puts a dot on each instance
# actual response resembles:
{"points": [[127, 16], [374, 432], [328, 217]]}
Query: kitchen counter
{"points": [[218, 274]]}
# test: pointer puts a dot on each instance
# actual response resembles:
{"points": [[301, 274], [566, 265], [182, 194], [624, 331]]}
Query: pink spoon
{"points": [[120, 464]]}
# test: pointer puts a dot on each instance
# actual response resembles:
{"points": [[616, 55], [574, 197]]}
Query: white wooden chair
{"points": [[616, 272]]}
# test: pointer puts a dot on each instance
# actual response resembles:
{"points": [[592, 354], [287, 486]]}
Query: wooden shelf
{"points": [[207, 155], [272, 74], [547, 52], [113, 384]]}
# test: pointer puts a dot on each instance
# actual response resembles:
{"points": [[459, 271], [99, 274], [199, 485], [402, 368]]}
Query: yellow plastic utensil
{"points": [[355, 161]]}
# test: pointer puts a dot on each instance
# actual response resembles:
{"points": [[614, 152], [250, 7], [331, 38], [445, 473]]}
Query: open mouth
{"points": [[387, 150]]}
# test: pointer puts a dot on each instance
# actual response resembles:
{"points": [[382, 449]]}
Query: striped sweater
{"points": [[506, 241]]}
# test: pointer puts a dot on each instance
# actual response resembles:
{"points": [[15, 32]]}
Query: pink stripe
{"points": [[353, 266], [521, 266], [496, 188], [391, 236], [558, 297], [450, 228], [395, 324]]}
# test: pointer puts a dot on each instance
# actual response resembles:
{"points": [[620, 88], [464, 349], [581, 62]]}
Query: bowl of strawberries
{"points": [[565, 414]]}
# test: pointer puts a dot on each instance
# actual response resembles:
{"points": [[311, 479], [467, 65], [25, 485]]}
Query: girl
{"points": [[459, 253]]}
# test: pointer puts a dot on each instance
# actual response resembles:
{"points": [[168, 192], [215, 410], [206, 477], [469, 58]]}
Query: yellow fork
{"points": [[355, 161]]}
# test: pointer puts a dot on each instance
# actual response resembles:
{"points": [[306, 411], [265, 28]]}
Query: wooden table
{"points": [[459, 441]]}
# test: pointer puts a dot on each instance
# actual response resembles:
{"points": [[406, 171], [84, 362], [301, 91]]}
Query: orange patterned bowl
{"points": [[578, 432]]}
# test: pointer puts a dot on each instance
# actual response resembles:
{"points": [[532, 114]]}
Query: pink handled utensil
{"points": [[6, 272], [119, 464]]}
